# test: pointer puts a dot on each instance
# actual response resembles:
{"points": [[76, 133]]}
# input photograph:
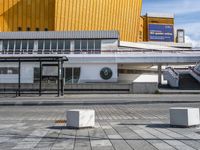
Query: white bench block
{"points": [[184, 116], [80, 118]]}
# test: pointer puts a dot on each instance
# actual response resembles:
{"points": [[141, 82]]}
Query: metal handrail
{"points": [[2, 52]]}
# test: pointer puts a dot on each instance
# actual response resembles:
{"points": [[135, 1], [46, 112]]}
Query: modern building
{"points": [[158, 27], [71, 45], [80, 61], [72, 15]]}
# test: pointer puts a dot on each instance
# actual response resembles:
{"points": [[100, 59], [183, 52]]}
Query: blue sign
{"points": [[162, 33]]}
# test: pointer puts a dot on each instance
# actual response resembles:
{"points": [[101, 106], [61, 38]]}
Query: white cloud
{"points": [[192, 31], [195, 43]]}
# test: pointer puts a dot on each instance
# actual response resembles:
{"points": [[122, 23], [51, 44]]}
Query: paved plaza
{"points": [[118, 127]]}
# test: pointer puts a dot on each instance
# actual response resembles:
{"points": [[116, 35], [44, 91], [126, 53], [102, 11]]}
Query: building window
{"points": [[84, 45], [36, 74], [67, 47], [11, 46], [77, 46], [40, 46], [76, 75], [72, 75], [53, 46], [9, 70], [5, 46], [97, 46], [90, 44], [24, 46], [47, 46], [30, 46], [17, 46], [60, 46]]}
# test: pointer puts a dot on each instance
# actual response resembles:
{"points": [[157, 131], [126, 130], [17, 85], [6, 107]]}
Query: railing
{"points": [[171, 76], [118, 51]]}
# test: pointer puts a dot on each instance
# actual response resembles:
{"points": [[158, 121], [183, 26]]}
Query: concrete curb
{"points": [[59, 103]]}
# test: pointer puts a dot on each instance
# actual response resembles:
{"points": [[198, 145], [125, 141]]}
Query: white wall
{"points": [[91, 72], [109, 44]]}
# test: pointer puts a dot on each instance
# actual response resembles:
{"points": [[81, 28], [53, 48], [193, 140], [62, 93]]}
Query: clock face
{"points": [[106, 73]]}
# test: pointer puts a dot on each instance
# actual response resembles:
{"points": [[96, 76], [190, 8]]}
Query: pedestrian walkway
{"points": [[100, 99], [118, 127]]}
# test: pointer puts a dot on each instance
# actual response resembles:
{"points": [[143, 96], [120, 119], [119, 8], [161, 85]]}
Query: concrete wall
{"points": [[144, 88], [117, 88], [91, 72], [109, 44]]}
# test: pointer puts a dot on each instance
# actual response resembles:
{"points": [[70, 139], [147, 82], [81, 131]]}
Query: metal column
{"points": [[19, 78], [159, 74], [62, 80], [58, 88], [40, 85]]}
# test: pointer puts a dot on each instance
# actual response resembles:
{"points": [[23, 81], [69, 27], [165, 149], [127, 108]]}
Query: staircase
{"points": [[187, 82]]}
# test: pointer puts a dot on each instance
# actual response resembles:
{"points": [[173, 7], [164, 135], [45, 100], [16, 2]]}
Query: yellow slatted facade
{"points": [[67, 15], [121, 15], [24, 14]]}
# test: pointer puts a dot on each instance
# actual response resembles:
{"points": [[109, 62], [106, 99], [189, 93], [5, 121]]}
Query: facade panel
{"points": [[121, 15], [26, 15], [72, 15]]}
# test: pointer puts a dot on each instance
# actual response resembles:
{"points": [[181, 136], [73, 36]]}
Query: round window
{"points": [[106, 73]]}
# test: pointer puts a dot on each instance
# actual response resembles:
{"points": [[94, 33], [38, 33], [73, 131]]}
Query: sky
{"points": [[187, 15]]}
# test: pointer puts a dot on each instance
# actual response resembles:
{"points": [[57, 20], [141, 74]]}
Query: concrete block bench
{"points": [[184, 116], [80, 118]]}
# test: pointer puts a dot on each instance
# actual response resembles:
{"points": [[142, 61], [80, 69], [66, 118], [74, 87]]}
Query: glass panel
{"points": [[60, 46], [17, 46], [67, 47], [77, 46], [9, 70], [3, 70], [84, 45], [40, 46], [47, 46], [11, 46], [31, 46], [90, 46], [68, 75], [15, 70], [98, 45], [76, 75], [5, 46], [53, 45], [24, 46], [36, 74]]}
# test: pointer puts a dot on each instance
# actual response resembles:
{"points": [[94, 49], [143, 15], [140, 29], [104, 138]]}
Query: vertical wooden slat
{"points": [[1, 15]]}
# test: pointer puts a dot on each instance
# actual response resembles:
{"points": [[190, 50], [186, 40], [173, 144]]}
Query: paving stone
{"points": [[118, 127]]}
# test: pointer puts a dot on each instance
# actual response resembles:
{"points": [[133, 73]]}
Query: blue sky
{"points": [[187, 15]]}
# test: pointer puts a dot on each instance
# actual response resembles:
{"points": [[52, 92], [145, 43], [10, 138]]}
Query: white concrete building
{"points": [[93, 57]]}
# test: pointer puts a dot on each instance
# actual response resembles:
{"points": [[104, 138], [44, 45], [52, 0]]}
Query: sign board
{"points": [[50, 71], [160, 32]]}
